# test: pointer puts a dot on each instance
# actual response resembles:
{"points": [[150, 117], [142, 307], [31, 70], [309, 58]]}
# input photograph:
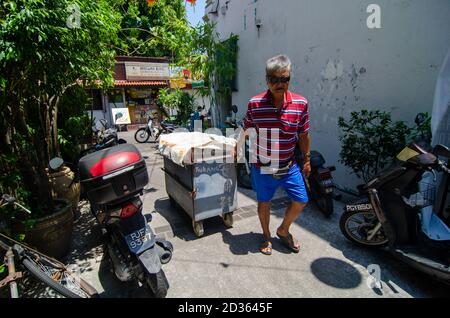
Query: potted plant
{"points": [[45, 50]]}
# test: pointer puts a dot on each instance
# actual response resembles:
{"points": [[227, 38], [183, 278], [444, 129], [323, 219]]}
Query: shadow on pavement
{"points": [[392, 271], [180, 222], [248, 243], [113, 288], [86, 243], [336, 273]]}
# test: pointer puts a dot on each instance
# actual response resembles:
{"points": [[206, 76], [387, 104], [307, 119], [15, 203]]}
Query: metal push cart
{"points": [[203, 190]]}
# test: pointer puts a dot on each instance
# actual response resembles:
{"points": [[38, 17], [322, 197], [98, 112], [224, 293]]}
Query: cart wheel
{"points": [[228, 219], [198, 228]]}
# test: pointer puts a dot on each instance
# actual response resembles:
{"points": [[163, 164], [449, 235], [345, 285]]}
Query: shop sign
{"points": [[198, 84], [136, 93], [136, 71], [177, 83]]}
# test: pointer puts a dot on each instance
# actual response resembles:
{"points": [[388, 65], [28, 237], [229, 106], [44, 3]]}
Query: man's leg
{"points": [[292, 212], [296, 190], [265, 187], [264, 218]]}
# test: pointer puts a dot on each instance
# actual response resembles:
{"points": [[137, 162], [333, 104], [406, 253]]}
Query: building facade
{"points": [[347, 55], [137, 81]]}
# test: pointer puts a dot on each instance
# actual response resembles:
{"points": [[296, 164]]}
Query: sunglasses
{"points": [[276, 79]]}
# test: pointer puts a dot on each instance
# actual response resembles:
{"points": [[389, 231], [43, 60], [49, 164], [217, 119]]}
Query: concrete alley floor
{"points": [[225, 262]]}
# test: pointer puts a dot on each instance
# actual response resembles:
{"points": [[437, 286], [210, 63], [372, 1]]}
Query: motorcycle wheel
{"points": [[323, 201], [243, 178], [141, 135], [364, 222], [158, 284]]}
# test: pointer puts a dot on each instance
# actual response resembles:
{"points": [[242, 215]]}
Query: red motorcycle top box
{"points": [[112, 174]]}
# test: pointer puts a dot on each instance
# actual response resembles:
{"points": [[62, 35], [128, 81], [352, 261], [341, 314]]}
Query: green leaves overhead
{"points": [[161, 30], [47, 47]]}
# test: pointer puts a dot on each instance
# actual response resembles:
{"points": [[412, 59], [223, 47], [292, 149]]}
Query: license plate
{"points": [[358, 207], [140, 240]]}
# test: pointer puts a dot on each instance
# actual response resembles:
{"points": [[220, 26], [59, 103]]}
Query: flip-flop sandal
{"points": [[289, 241], [266, 248]]}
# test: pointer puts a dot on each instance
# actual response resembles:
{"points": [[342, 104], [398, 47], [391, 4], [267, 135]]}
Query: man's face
{"points": [[277, 83]]}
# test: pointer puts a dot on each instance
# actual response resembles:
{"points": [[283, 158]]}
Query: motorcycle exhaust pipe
{"points": [[164, 249]]}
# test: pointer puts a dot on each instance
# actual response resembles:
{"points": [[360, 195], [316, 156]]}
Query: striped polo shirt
{"points": [[277, 130]]}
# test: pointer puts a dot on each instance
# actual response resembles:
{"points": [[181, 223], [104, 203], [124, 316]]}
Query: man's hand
{"points": [[306, 168]]}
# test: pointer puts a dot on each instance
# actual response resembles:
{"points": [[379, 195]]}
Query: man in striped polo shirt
{"points": [[280, 120]]}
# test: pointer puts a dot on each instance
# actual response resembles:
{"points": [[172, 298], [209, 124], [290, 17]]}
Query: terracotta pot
{"points": [[51, 235], [63, 186]]}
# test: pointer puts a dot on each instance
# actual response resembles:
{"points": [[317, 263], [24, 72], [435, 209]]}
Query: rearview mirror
{"points": [[441, 150]]}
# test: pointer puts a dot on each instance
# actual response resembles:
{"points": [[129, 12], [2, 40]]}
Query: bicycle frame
{"points": [[28, 256]]}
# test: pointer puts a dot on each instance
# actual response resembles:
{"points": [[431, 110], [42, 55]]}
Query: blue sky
{"points": [[195, 13]]}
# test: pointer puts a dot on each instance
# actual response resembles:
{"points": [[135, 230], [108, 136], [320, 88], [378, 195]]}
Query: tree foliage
{"points": [[370, 141], [160, 30], [213, 60], [41, 56], [179, 100]]}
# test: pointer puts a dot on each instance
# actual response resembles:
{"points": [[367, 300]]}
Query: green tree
{"points": [[213, 60], [46, 47], [179, 100], [160, 30]]}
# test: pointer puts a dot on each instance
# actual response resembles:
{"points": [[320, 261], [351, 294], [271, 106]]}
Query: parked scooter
{"points": [[106, 137], [150, 131], [403, 212], [320, 185], [167, 128], [113, 179]]}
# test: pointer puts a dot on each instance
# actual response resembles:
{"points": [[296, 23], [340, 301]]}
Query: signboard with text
{"points": [[136, 71]]}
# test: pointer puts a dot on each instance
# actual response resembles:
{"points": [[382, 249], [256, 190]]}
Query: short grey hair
{"points": [[278, 63]]}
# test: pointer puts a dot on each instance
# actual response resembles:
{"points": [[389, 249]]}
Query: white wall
{"points": [[340, 64]]}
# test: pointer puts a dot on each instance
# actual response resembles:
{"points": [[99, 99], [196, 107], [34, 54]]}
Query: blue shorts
{"points": [[265, 185]]}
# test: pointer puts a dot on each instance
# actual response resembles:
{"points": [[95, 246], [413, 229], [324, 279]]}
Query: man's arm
{"points": [[304, 142]]}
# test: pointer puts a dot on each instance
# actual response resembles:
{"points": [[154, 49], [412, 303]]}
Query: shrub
{"points": [[370, 141]]}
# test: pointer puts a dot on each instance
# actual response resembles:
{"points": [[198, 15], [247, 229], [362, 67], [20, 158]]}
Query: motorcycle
{"points": [[106, 137], [167, 128], [113, 180], [403, 213], [143, 134], [320, 185]]}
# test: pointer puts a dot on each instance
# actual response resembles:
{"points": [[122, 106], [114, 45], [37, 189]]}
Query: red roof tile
{"points": [[119, 83]]}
